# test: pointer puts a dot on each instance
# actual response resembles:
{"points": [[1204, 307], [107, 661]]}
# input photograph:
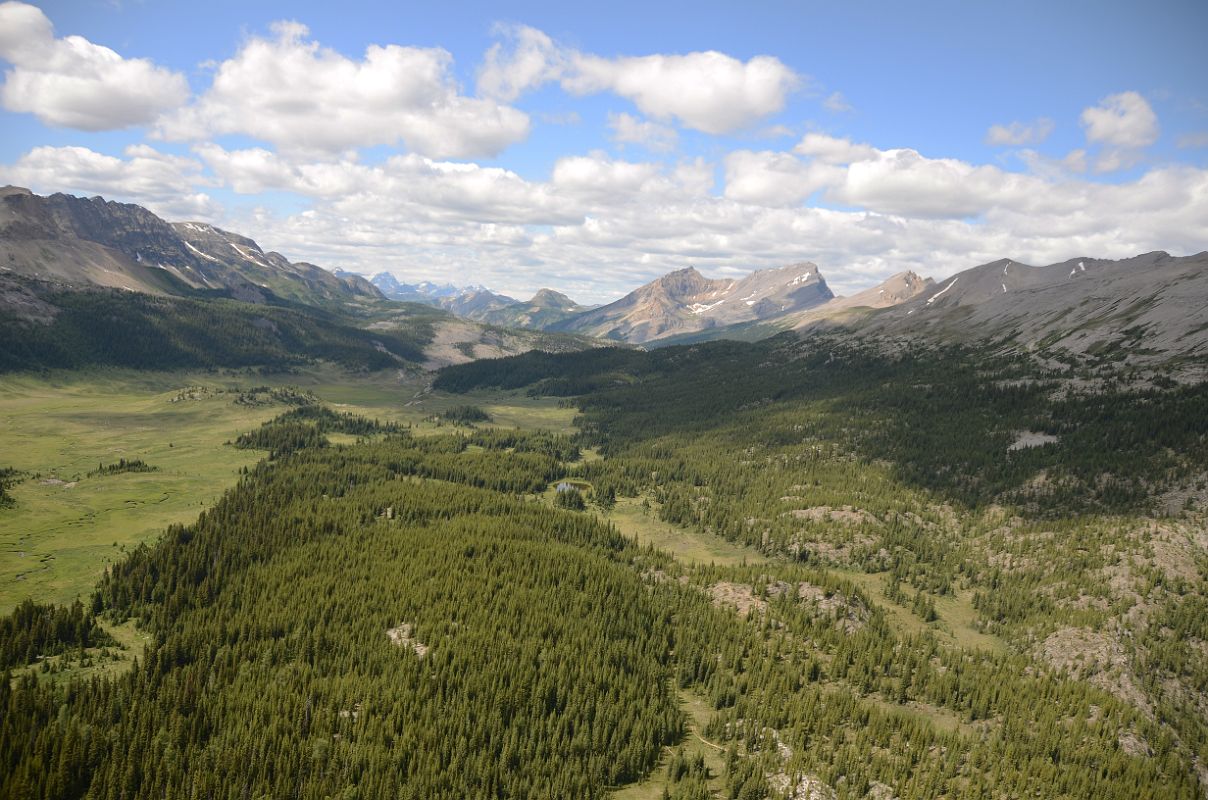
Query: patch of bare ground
{"points": [[1172, 549], [798, 787], [835, 553], [804, 787], [846, 515], [1193, 493], [1098, 657], [851, 615], [404, 636], [1011, 562], [738, 596], [1134, 745], [880, 791], [848, 614], [455, 342], [1026, 439]]}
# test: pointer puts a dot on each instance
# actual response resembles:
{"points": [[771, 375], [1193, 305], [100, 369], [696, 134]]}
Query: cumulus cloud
{"points": [[903, 182], [599, 226], [1020, 133], [405, 187], [73, 83], [628, 129], [527, 60], [833, 150], [775, 179], [162, 182], [1074, 162], [294, 94], [1123, 124], [1122, 120], [707, 91]]}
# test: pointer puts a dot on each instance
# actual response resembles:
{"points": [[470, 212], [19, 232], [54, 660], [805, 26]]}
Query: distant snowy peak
{"points": [[422, 292]]}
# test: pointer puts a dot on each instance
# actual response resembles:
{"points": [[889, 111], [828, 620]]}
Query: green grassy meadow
{"points": [[691, 547], [67, 526]]}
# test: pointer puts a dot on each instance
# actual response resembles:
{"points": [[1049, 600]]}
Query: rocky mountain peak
{"points": [[548, 298]]}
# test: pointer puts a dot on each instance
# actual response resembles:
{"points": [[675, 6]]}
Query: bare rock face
{"points": [[685, 301]]}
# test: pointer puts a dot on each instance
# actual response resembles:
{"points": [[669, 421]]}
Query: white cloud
{"points": [[837, 103], [708, 91], [1020, 133], [1074, 162], [600, 226], [406, 188], [1122, 120], [73, 83], [775, 179], [1124, 124], [163, 183], [597, 176], [1114, 159], [292, 93], [628, 129], [833, 150], [530, 60], [903, 182]]}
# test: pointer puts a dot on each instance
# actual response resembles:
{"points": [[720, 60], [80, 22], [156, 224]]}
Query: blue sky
{"points": [[592, 147]]}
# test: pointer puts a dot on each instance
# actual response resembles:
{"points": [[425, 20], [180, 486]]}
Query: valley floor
{"points": [[850, 636], [67, 525]]}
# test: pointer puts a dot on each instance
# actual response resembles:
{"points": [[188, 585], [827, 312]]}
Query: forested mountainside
{"points": [[967, 576], [52, 326], [60, 327]]}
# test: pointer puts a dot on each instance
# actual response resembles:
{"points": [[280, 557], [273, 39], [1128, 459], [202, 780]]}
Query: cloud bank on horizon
{"points": [[587, 171]]}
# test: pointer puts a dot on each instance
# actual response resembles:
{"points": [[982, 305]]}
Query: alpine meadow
{"points": [[660, 402]]}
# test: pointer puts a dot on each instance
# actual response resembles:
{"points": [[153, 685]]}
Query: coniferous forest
{"points": [[928, 610]]}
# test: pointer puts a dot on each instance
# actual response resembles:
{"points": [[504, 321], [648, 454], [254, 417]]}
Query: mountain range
{"points": [[82, 278], [92, 241], [1149, 306], [546, 309]]}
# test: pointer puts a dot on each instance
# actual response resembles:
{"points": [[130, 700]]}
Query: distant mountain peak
{"points": [[684, 301], [552, 299]]}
